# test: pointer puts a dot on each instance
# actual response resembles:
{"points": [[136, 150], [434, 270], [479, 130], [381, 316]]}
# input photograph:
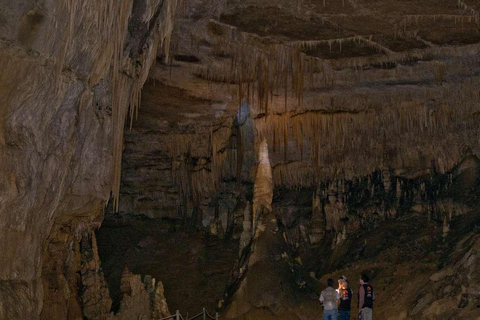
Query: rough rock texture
{"points": [[350, 112], [77, 288], [193, 274], [181, 158], [168, 152], [255, 290], [65, 87], [95, 297], [419, 272], [391, 92], [368, 106], [370, 111]]}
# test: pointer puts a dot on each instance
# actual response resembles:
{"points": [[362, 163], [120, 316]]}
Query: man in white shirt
{"points": [[330, 298]]}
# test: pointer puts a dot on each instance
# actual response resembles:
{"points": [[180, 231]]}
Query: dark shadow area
{"points": [[193, 267]]}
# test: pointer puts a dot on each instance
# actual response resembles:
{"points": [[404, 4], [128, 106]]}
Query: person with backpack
{"points": [[346, 295], [366, 297], [329, 298]]}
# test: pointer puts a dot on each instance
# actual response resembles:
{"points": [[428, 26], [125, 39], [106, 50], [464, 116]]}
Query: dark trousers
{"points": [[344, 315]]}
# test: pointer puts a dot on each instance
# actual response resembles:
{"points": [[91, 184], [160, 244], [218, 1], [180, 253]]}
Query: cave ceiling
{"points": [[336, 86]]}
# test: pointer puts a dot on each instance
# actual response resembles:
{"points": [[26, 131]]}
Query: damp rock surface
{"points": [[369, 109]]}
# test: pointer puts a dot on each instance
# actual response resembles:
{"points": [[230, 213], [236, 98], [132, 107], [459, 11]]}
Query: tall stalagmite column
{"points": [[263, 190]]}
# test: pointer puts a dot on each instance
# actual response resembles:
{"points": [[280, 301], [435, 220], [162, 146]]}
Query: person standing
{"points": [[346, 295], [329, 298], [366, 297]]}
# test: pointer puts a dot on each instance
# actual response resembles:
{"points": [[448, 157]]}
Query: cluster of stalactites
{"points": [[466, 22], [216, 160], [260, 67], [264, 68], [111, 18], [399, 130], [366, 40], [362, 131], [474, 13]]}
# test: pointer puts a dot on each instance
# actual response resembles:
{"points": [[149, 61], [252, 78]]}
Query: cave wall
{"points": [[181, 158], [70, 70], [330, 109]]}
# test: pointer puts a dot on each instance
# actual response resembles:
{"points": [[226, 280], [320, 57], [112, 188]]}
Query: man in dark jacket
{"points": [[365, 299]]}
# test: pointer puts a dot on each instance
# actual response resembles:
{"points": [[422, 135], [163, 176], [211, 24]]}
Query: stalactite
{"points": [[216, 160], [259, 64], [409, 20], [351, 133], [429, 53], [367, 40], [112, 19], [474, 13], [346, 124]]}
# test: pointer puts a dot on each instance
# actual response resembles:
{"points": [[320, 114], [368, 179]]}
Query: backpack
{"points": [[345, 299], [368, 301]]}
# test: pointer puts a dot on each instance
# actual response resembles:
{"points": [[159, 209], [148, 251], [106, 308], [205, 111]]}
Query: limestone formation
{"points": [[66, 86], [95, 297], [363, 113], [263, 190], [160, 307]]}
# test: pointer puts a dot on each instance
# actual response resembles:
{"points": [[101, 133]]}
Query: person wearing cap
{"points": [[346, 295], [329, 298]]}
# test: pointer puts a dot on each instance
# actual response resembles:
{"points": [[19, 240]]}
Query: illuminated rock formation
{"points": [[366, 113]]}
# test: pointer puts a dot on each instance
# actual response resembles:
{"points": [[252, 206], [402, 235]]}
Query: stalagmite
{"points": [[160, 307], [263, 189]]}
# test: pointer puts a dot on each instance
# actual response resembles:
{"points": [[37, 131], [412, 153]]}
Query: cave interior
{"points": [[161, 158]]}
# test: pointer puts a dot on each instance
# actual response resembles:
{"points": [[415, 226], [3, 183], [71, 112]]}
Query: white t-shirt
{"points": [[329, 298]]}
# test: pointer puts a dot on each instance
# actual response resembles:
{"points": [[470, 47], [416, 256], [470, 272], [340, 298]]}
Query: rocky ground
{"points": [[418, 270], [417, 273], [418, 239]]}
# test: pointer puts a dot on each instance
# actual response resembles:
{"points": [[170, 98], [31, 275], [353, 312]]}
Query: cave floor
{"points": [[401, 257], [193, 267]]}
